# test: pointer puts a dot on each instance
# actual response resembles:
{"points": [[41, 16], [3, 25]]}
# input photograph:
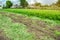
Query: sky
{"points": [[43, 2]]}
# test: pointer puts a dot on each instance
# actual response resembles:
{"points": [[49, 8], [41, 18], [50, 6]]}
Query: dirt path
{"points": [[38, 27]]}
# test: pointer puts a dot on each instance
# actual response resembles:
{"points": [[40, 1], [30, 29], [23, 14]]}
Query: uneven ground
{"points": [[39, 28]]}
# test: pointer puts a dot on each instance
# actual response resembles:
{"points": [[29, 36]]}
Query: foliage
{"points": [[58, 3], [8, 4], [45, 6], [45, 14], [26, 4], [0, 5], [37, 4], [23, 3], [57, 33]]}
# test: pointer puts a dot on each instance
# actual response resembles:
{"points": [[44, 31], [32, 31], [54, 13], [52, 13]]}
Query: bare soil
{"points": [[3, 36], [38, 27]]}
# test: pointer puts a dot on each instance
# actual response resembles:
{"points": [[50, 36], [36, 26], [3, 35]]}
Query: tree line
{"points": [[24, 3], [9, 4]]}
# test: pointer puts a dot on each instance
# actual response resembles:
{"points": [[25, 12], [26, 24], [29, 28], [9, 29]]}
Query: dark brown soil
{"points": [[38, 27]]}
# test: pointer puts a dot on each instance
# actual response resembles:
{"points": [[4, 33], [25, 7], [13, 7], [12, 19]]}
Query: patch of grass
{"points": [[45, 14], [15, 31], [57, 33], [49, 22]]}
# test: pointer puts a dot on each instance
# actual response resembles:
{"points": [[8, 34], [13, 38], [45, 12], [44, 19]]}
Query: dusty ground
{"points": [[39, 28], [3, 36]]}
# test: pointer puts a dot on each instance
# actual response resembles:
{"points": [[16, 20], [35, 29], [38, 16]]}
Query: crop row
{"points": [[47, 14]]}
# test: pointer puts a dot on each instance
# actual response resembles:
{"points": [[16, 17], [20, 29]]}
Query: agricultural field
{"points": [[12, 31], [49, 14], [30, 24]]}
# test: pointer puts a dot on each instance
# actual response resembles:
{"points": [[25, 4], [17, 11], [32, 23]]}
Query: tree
{"points": [[23, 3], [37, 4], [26, 4], [58, 3], [46, 6], [8, 4]]}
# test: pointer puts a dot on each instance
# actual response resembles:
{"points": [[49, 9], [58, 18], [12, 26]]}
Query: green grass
{"points": [[57, 33], [45, 14], [15, 31], [49, 16]]}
